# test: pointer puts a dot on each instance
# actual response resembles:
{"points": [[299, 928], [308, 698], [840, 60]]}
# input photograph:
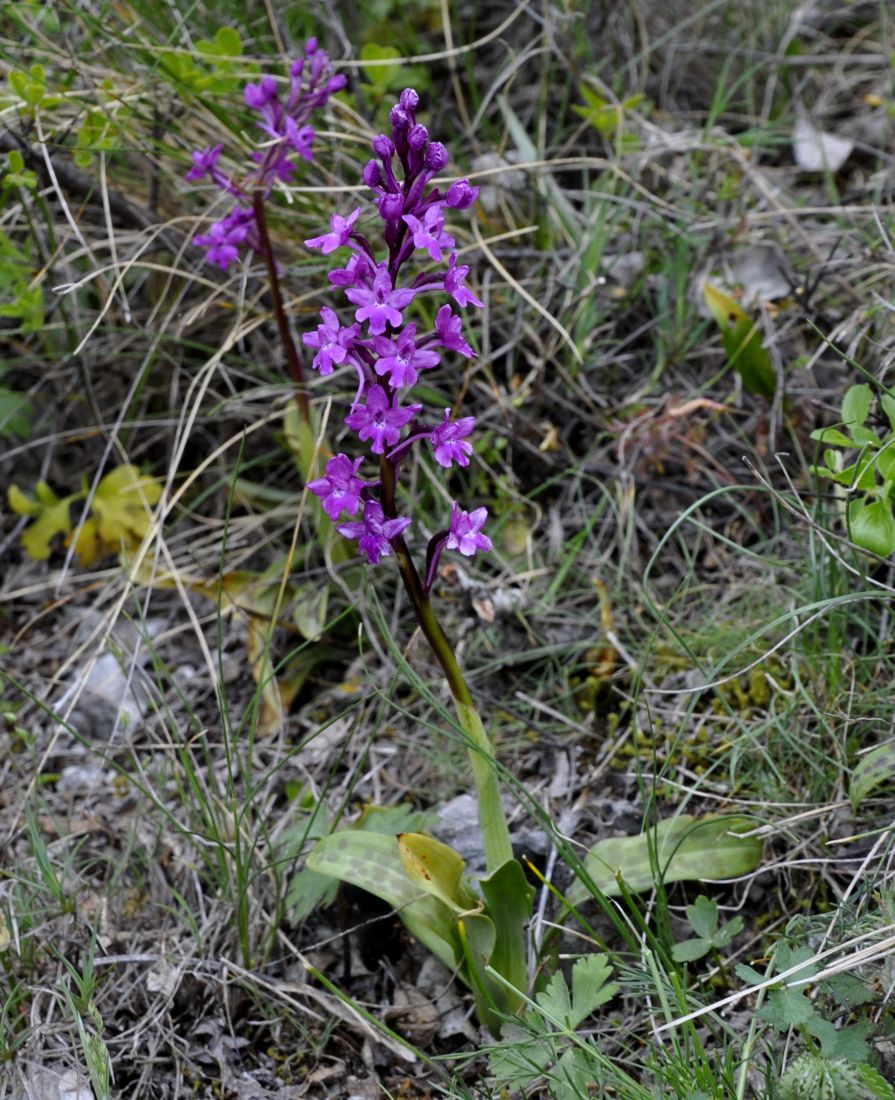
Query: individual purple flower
{"points": [[226, 236], [380, 304], [449, 440], [332, 341], [401, 359], [204, 163], [340, 489], [379, 420], [357, 272], [461, 195], [466, 531], [339, 235], [428, 232], [450, 332], [301, 138], [374, 531], [260, 96], [454, 283]]}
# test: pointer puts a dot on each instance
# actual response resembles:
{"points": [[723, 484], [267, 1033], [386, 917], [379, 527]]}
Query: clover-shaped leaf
{"points": [[703, 917]]}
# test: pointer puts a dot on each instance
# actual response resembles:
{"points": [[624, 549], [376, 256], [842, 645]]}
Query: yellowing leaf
{"points": [[88, 543], [54, 519], [741, 338], [437, 869], [50, 515], [122, 504], [21, 503]]}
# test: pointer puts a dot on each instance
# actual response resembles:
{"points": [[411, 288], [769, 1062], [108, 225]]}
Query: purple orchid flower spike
{"points": [[288, 133], [385, 348]]}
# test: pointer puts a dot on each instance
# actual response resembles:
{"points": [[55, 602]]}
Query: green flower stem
{"points": [[293, 359], [493, 823]]}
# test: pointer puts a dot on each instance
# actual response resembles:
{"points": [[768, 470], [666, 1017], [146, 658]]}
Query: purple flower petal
{"points": [[340, 489], [449, 440], [465, 531], [374, 532], [339, 235], [380, 304], [379, 420]]}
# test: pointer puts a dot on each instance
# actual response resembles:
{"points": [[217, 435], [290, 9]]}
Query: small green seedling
{"points": [[867, 480], [703, 918]]}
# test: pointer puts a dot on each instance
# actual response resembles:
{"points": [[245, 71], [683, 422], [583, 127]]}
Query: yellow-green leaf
{"points": [[872, 770], [437, 869], [122, 505], [741, 337], [54, 519], [680, 849], [21, 503]]}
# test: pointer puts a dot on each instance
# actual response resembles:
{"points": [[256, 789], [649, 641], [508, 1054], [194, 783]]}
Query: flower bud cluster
{"points": [[288, 133], [385, 349]]}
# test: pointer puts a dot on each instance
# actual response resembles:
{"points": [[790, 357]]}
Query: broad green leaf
{"points": [[856, 405], [691, 950], [871, 526], [310, 889], [508, 897], [885, 460], [682, 848], [372, 862], [873, 769], [522, 1058], [437, 869], [703, 916], [860, 475], [849, 990], [741, 338], [832, 435], [887, 401], [494, 1002], [866, 437]]}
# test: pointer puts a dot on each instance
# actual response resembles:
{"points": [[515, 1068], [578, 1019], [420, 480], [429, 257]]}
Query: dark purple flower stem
{"points": [[293, 358], [419, 596]]}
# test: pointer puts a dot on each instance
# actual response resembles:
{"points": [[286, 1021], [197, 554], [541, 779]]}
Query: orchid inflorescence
{"points": [[384, 348], [289, 133]]}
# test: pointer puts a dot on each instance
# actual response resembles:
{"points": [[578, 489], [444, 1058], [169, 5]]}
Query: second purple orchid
{"points": [[385, 349]]}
